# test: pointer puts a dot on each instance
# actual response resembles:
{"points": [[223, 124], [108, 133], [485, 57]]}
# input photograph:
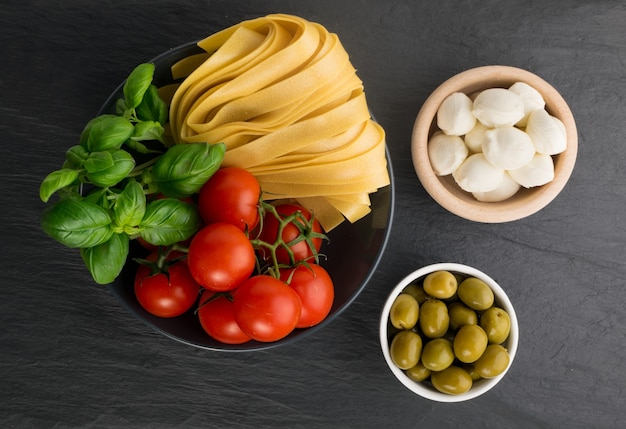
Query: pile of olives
{"points": [[446, 330]]}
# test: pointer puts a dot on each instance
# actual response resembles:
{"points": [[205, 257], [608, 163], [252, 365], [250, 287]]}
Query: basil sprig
{"points": [[105, 196]]}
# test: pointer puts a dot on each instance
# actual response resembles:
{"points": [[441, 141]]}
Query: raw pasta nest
{"points": [[281, 93]]}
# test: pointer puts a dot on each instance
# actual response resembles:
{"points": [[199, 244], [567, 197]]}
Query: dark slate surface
{"points": [[71, 356]]}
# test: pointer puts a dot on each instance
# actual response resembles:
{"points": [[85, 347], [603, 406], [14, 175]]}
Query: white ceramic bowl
{"points": [[425, 389], [444, 189]]}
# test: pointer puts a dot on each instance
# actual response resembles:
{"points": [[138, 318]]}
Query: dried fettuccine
{"points": [[281, 93]]}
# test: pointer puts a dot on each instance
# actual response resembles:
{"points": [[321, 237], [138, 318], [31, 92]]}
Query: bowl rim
{"points": [[477, 388], [508, 210]]}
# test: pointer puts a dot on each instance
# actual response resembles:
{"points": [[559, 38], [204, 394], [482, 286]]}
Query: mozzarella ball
{"points": [[446, 153], [531, 98], [454, 116], [474, 139], [507, 188], [508, 147], [498, 107], [547, 132], [476, 174], [539, 171]]}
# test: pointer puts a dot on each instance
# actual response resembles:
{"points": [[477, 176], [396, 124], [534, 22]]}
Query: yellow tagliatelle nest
{"points": [[281, 93]]}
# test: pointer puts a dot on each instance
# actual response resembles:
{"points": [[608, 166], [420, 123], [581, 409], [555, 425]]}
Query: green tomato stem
{"points": [[306, 233]]}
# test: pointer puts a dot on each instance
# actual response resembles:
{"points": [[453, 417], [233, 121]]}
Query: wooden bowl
{"points": [[444, 189]]}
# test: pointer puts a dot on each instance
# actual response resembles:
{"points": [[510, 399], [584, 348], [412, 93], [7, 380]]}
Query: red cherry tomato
{"points": [[217, 317], [266, 308], [315, 288], [301, 250], [231, 195], [166, 294], [221, 257]]}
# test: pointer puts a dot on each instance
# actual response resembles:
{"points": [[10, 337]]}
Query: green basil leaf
{"points": [[137, 84], [184, 168], [75, 157], [152, 107], [85, 134], [130, 206], [168, 221], [56, 180], [77, 223], [105, 261], [147, 130], [98, 196], [71, 192], [99, 161], [140, 147], [123, 164], [106, 132], [121, 109]]}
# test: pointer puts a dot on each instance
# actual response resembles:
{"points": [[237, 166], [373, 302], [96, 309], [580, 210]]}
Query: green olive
{"points": [[418, 373], [452, 380], [417, 292], [437, 354], [494, 361], [475, 293], [497, 324], [406, 349], [469, 343], [434, 319], [404, 312], [440, 284], [460, 314], [471, 370]]}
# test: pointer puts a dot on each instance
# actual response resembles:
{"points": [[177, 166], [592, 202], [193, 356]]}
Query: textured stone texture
{"points": [[72, 356]]}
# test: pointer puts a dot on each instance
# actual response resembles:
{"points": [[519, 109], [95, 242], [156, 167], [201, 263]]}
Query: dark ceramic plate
{"points": [[353, 251]]}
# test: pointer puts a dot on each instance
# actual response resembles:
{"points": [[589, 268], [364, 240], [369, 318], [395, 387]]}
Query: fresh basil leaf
{"points": [[105, 261], [168, 221], [106, 132], [130, 206], [85, 134], [98, 196], [56, 180], [152, 107], [99, 161], [75, 157], [184, 168], [138, 147], [121, 109], [137, 84], [123, 164], [147, 130], [148, 182], [71, 192], [77, 223]]}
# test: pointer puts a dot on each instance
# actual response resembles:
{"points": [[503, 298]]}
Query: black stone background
{"points": [[72, 356]]}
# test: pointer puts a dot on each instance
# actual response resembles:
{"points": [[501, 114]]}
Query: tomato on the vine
{"points": [[266, 308], [316, 290], [304, 238], [231, 195], [169, 292], [221, 257], [217, 317]]}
